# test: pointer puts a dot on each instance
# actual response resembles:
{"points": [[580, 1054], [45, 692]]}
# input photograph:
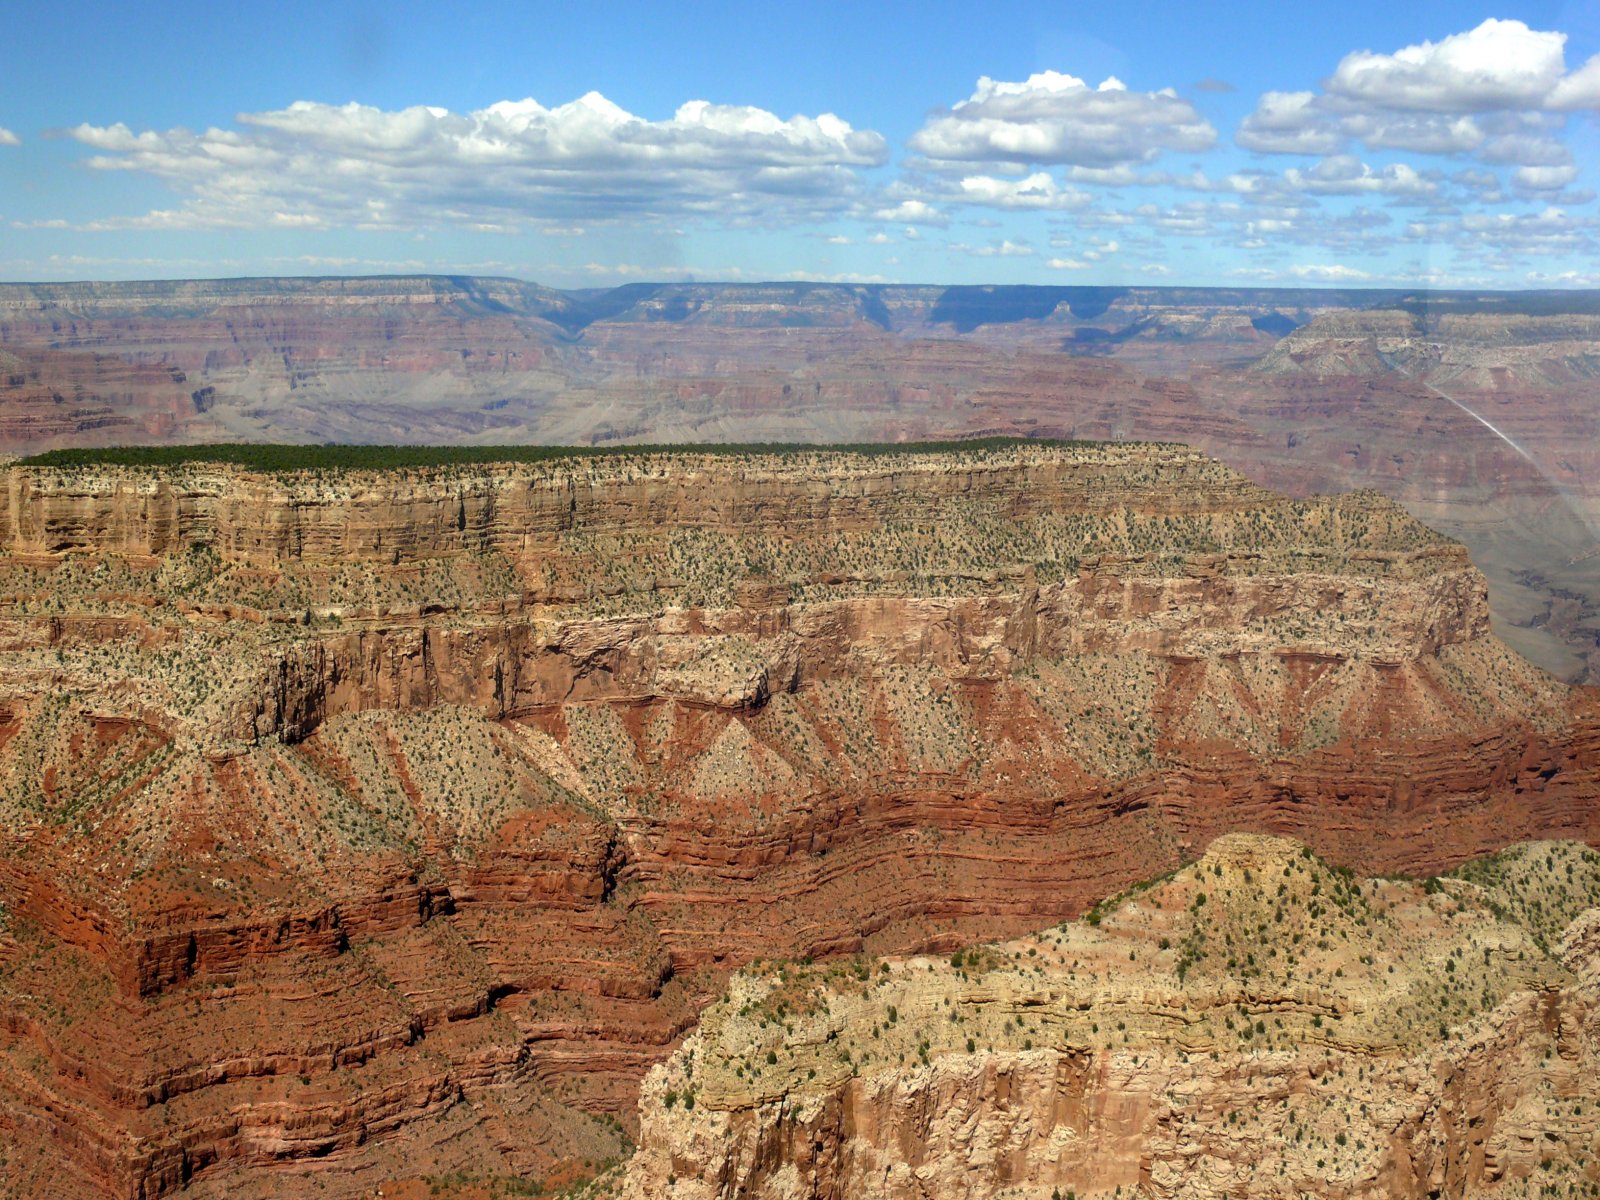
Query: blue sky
{"points": [[1451, 144]]}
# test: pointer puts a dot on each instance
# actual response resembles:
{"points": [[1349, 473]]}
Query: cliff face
{"points": [[377, 824], [522, 510], [1391, 1040], [1302, 389], [1479, 347]]}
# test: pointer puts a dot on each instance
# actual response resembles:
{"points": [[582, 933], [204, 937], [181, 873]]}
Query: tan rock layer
{"points": [[491, 853]]}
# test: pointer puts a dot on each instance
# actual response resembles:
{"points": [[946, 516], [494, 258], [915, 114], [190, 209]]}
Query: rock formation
{"points": [[364, 825], [1304, 390], [1255, 1024]]}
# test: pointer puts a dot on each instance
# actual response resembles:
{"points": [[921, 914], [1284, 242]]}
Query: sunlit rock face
{"points": [[1254, 1024], [369, 825], [1475, 411]]}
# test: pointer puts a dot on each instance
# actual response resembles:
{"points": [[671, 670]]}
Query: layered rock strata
{"points": [[1305, 390], [1255, 1025], [371, 824]]}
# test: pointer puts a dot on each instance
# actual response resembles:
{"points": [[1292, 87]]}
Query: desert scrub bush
{"points": [[334, 457]]}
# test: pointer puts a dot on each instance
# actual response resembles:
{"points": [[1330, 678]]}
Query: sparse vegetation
{"points": [[1338, 991]]}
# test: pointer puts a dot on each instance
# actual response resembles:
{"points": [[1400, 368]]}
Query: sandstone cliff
{"points": [[367, 824], [1253, 1025], [1305, 390]]}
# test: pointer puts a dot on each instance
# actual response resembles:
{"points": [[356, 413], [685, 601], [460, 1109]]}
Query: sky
{"points": [[1287, 144]]}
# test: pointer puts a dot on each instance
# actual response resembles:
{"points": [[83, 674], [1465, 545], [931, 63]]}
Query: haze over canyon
{"points": [[1473, 410]]}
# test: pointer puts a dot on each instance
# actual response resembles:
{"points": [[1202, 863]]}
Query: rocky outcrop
{"points": [[1302, 389], [400, 517], [382, 823], [1472, 346], [1393, 1040]]}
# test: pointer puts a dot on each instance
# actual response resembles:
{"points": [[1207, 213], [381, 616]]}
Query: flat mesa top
{"points": [[796, 457]]}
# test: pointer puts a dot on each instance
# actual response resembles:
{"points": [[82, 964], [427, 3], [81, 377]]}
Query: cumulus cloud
{"points": [[1544, 179], [921, 197], [1501, 241], [1418, 133], [7, 138], [1583, 279], [1525, 143], [354, 165], [912, 212], [1289, 123], [1036, 191], [1248, 225], [1579, 90], [1001, 249], [1345, 175], [1098, 250], [1023, 146], [1056, 119], [834, 277], [1498, 93], [1498, 65], [1329, 273]]}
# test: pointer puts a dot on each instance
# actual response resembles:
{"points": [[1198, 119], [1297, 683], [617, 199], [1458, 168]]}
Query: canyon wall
{"points": [[1304, 390], [365, 825], [1396, 1040]]}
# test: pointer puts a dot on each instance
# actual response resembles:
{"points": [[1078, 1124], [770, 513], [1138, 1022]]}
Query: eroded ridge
{"points": [[1257, 1023], [366, 824]]}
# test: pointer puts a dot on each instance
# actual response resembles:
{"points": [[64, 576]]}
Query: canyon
{"points": [[376, 828], [1474, 410], [1255, 1024]]}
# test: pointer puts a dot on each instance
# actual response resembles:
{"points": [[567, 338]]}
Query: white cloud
{"points": [[1188, 219], [1345, 175], [1056, 119], [912, 212], [832, 277], [1001, 249], [1122, 175], [1289, 123], [1497, 93], [1578, 279], [1251, 225], [1418, 133], [358, 166], [1329, 273], [1503, 240], [1525, 144], [7, 138], [916, 198], [1315, 272], [1498, 65], [1097, 251], [627, 270], [1544, 179], [1581, 89], [1036, 191]]}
